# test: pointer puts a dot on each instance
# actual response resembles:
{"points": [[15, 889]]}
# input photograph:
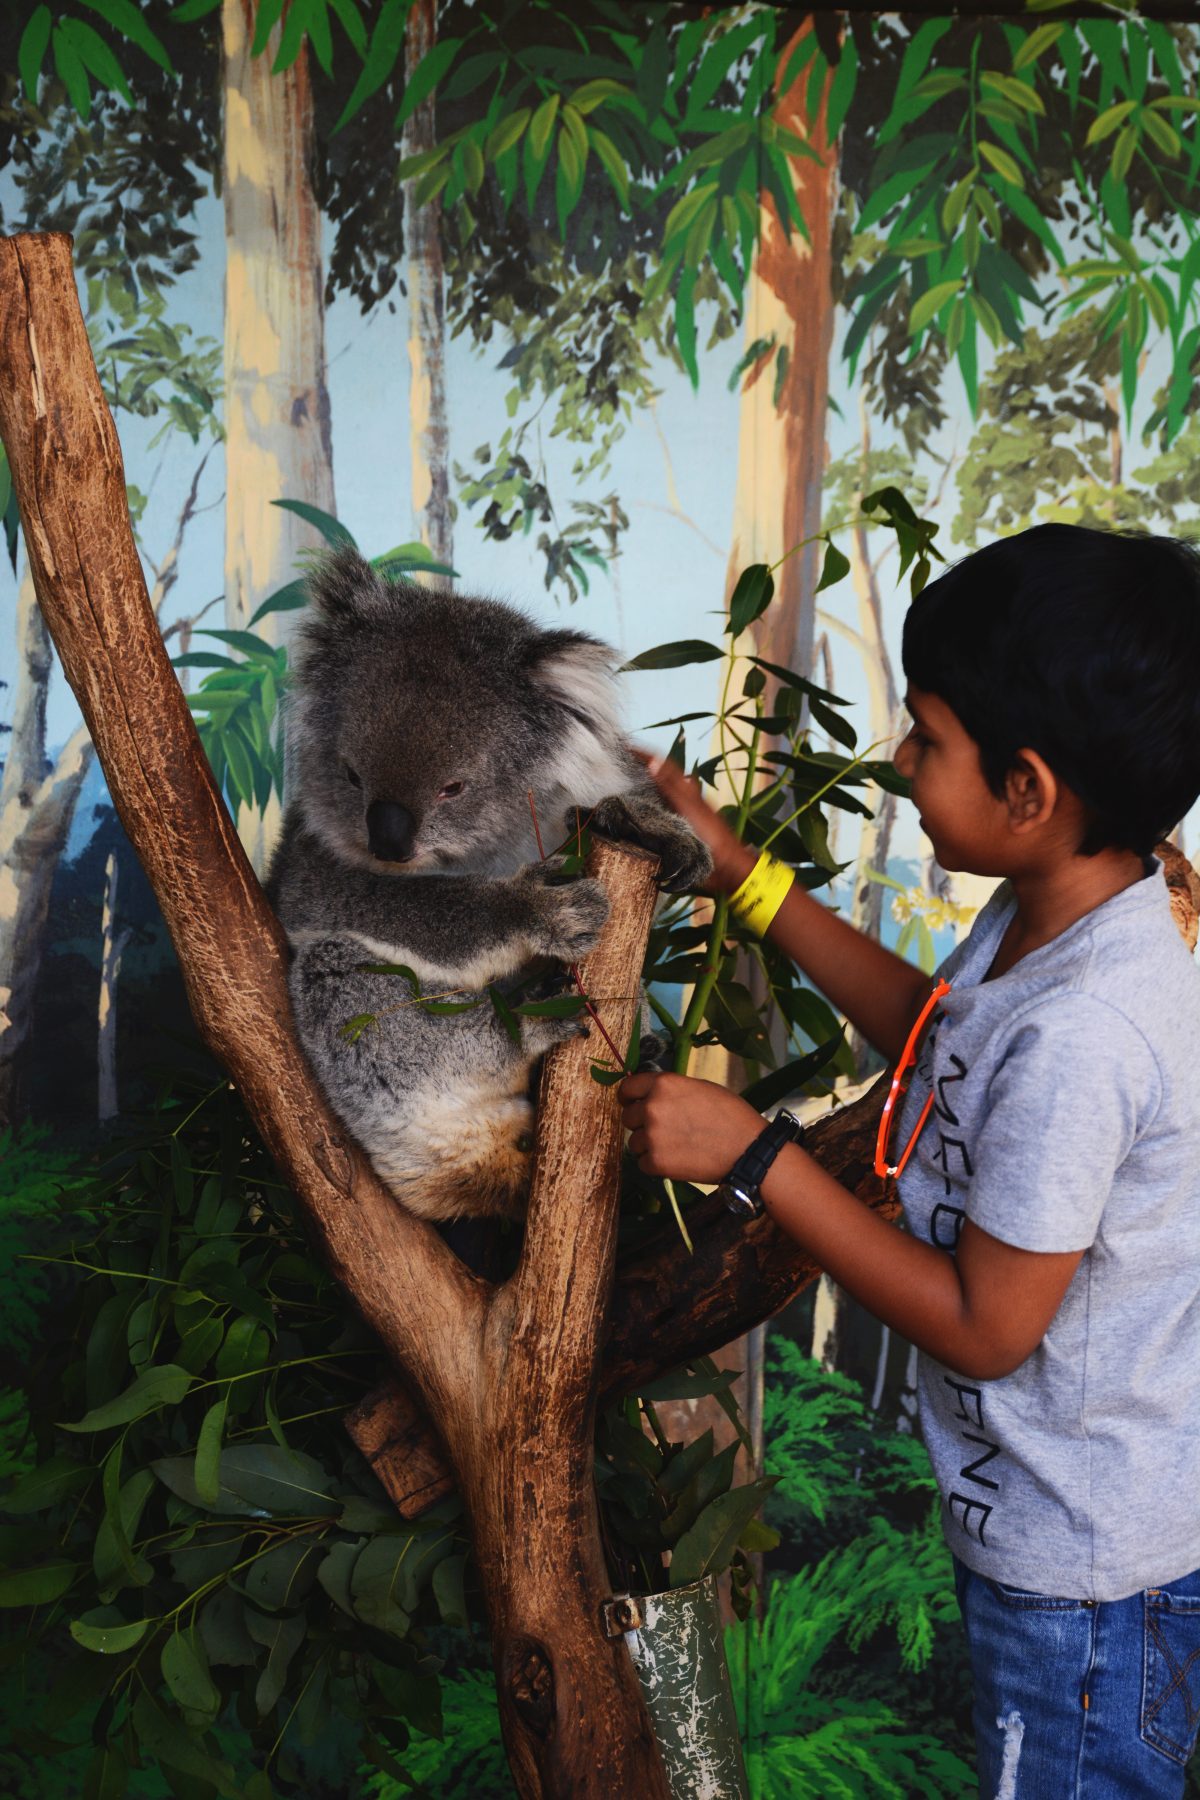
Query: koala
{"points": [[418, 724]]}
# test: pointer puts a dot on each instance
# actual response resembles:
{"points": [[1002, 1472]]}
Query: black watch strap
{"points": [[739, 1190]]}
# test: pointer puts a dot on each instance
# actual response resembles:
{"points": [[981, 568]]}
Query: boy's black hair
{"points": [[1082, 645]]}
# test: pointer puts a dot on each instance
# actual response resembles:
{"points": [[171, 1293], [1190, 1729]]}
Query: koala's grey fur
{"points": [[400, 693]]}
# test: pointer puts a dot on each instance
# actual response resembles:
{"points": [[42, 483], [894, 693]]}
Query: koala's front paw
{"points": [[684, 862], [540, 1035], [568, 913]]}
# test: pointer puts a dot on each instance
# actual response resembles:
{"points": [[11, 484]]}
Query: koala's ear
{"points": [[343, 586], [577, 671]]}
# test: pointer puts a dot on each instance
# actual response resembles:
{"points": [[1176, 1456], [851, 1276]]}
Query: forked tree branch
{"points": [[508, 1375]]}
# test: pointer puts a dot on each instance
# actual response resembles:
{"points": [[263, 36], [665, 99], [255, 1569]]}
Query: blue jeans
{"points": [[1080, 1700]]}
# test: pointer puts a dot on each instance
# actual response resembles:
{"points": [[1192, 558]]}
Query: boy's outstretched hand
{"points": [[686, 1129], [732, 861]]}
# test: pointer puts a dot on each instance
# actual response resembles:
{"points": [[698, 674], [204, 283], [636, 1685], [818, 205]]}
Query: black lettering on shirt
{"points": [[970, 1402], [943, 1157], [942, 1106], [969, 1507], [945, 1224], [968, 1469]]}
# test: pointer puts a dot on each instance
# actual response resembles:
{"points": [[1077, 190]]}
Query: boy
{"points": [[1050, 1275]]}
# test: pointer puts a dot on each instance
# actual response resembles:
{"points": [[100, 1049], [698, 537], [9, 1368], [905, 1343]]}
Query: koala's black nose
{"points": [[390, 831]]}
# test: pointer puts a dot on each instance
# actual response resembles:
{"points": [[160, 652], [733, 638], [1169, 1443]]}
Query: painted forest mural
{"points": [[712, 330]]}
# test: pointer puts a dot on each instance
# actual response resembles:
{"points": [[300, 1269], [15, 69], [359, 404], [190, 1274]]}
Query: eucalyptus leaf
{"points": [[112, 1554], [682, 1384], [674, 656], [286, 1636], [46, 1485], [750, 598], [36, 1586], [178, 1473], [208, 1453], [223, 1631], [163, 1385], [185, 1671], [791, 1076], [335, 1573], [284, 1575], [108, 1640], [711, 1541], [448, 1590]]}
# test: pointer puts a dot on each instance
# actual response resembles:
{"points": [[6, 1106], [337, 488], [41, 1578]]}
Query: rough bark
{"points": [[508, 1373], [277, 418], [429, 430], [668, 1306]]}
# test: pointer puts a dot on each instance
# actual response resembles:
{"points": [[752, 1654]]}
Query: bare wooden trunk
{"points": [[508, 1375], [429, 430]]}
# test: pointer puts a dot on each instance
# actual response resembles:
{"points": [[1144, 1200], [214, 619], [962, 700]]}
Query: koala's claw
{"points": [[569, 911], [684, 862]]}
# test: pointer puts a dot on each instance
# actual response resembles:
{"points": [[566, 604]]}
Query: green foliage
{"points": [[658, 1496], [821, 1438], [468, 1761], [39, 1181], [1033, 149], [1049, 444], [205, 1550], [783, 783], [824, 1679]]}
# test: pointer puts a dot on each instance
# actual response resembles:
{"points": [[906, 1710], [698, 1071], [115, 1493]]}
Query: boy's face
{"points": [[965, 822]]}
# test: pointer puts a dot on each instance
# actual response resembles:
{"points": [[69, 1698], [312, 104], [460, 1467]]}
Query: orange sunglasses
{"points": [[899, 1088]]}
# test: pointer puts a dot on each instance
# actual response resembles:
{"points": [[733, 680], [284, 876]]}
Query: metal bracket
{"points": [[621, 1614]]}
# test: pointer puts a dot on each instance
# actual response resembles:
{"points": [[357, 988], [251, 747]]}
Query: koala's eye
{"points": [[451, 788], [351, 777]]}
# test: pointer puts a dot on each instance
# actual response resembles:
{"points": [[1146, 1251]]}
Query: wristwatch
{"points": [[739, 1190]]}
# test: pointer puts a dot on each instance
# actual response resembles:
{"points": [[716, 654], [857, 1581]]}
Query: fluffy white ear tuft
{"points": [[579, 673]]}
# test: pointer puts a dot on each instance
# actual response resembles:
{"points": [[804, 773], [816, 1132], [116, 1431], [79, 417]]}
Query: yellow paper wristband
{"points": [[761, 895]]}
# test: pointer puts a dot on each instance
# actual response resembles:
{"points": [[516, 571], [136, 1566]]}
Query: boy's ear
{"points": [[1031, 791]]}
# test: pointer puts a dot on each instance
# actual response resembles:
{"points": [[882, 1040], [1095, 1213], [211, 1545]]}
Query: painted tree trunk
{"points": [[112, 949], [278, 443], [37, 804], [429, 430], [883, 717], [781, 436]]}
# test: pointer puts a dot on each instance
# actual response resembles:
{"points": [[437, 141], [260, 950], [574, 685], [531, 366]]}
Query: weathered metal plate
{"points": [[679, 1655]]}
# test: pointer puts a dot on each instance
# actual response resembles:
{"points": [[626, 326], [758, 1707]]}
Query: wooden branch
{"points": [[70, 483], [668, 1306], [508, 1376]]}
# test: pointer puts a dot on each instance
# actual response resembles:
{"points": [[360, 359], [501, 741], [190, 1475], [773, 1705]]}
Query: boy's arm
{"points": [[878, 992], [981, 1312]]}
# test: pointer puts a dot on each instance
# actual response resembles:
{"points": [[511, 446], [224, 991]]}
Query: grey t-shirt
{"points": [[1067, 1117]]}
